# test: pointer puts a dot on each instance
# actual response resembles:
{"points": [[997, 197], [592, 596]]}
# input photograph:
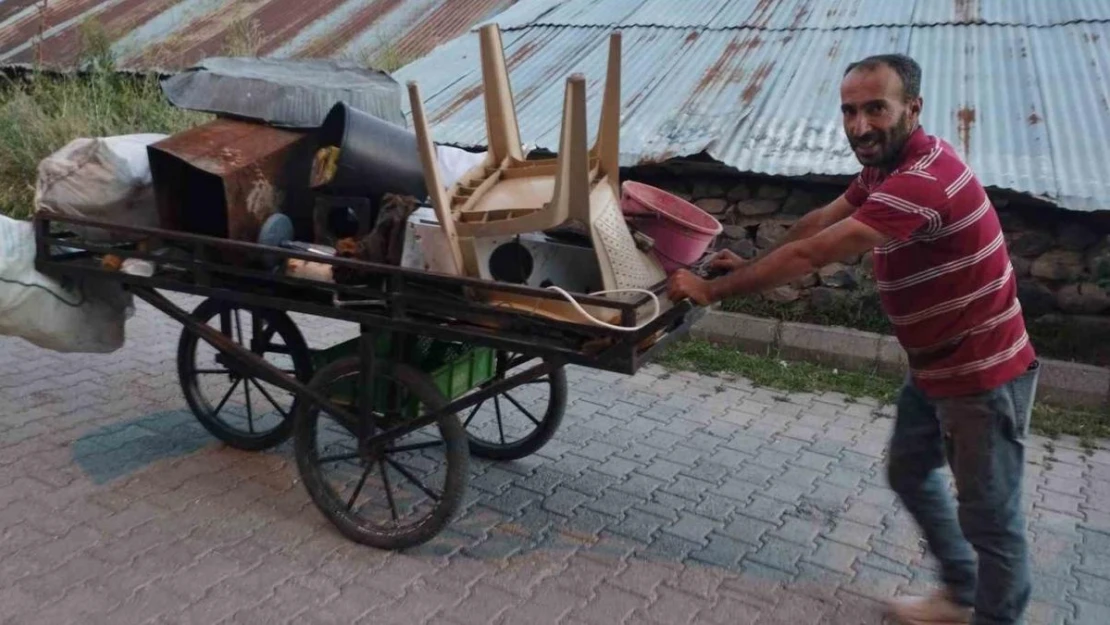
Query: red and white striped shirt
{"points": [[945, 278]]}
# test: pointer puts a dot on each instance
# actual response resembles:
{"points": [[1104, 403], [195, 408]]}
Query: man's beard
{"points": [[888, 144]]}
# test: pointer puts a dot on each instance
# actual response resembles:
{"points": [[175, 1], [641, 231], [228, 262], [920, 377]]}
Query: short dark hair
{"points": [[906, 68]]}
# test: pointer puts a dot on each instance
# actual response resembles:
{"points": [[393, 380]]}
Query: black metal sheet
{"points": [[288, 93]]}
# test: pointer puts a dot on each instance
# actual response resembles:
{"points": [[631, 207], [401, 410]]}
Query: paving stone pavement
{"points": [[664, 498]]}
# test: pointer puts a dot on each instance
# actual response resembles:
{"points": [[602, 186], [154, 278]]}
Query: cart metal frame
{"points": [[393, 300]]}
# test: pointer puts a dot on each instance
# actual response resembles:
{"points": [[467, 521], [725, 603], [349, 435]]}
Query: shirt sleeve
{"points": [[857, 191], [903, 205]]}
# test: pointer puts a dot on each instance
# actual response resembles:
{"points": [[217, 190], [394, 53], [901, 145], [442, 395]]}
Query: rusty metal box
{"points": [[225, 177]]}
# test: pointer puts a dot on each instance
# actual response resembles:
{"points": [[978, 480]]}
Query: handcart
{"points": [[376, 423]]}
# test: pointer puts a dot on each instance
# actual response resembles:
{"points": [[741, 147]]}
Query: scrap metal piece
{"points": [[287, 93], [226, 177]]}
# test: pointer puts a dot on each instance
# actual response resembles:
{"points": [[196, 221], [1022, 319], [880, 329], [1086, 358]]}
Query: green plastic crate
{"points": [[455, 369]]}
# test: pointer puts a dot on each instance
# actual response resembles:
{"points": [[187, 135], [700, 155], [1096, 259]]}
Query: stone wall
{"points": [[1062, 258]]}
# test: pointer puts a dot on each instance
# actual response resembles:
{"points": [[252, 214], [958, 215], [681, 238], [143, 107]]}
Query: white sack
{"points": [[74, 318], [107, 179], [454, 162]]}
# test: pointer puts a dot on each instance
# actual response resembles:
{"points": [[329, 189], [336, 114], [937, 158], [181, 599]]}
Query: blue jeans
{"points": [[982, 438]]}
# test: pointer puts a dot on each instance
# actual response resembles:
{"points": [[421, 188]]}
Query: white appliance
{"points": [[534, 258]]}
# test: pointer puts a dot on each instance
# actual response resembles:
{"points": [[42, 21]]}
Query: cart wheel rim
{"points": [[243, 411], [519, 421], [393, 500]]}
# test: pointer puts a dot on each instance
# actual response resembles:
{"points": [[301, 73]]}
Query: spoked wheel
{"points": [[520, 421], [242, 411], [394, 496]]}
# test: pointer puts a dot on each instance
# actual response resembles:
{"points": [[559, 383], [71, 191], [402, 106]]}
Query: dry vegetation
{"points": [[244, 38], [383, 55], [40, 113]]}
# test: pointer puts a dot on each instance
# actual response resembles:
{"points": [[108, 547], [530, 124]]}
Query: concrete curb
{"points": [[1062, 383]]}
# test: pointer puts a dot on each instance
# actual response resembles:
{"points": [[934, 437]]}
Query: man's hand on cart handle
{"points": [[725, 261], [788, 262], [686, 284]]}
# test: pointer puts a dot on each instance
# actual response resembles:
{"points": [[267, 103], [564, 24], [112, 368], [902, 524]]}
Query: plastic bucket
{"points": [[682, 231], [375, 156]]}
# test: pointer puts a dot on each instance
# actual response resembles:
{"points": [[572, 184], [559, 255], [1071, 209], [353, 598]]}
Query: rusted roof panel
{"points": [[766, 99], [988, 102], [1013, 12], [712, 14], [173, 34], [1073, 65], [753, 83], [798, 14]]}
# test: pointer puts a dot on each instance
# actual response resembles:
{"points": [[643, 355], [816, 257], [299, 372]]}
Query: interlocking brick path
{"points": [[667, 499]]}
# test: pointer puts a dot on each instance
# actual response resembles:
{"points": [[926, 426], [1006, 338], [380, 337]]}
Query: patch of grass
{"points": [[42, 113], [244, 38], [96, 47], [384, 56], [1054, 422], [703, 357], [706, 358], [389, 60]]}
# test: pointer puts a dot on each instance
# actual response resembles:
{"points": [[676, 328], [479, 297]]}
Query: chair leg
{"points": [[572, 181], [440, 200], [606, 147], [502, 129]]}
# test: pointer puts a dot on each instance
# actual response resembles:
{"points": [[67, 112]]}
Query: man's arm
{"points": [[798, 258], [813, 222], [901, 206]]}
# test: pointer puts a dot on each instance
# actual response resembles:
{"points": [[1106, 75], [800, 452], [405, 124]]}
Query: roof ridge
{"points": [[705, 28]]}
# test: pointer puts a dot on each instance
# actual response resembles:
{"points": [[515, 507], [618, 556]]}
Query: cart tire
{"points": [[543, 432], [187, 372], [333, 506]]}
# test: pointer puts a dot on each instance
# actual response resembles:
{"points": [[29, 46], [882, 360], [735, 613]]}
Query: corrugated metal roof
{"points": [[798, 14], [172, 34], [755, 83]]}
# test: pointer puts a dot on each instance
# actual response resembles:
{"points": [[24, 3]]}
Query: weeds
{"points": [[244, 38], [706, 358], [703, 357], [42, 113], [389, 59], [1054, 422], [384, 56]]}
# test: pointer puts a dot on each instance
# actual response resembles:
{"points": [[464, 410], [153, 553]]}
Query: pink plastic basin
{"points": [[682, 231]]}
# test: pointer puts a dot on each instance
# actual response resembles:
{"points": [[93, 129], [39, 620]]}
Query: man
{"points": [[946, 282]]}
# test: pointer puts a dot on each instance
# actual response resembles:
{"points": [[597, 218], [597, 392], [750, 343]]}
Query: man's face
{"points": [[877, 118]]}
